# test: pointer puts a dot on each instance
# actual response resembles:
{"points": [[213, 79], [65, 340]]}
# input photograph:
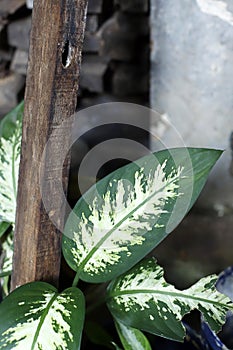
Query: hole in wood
{"points": [[67, 54]]}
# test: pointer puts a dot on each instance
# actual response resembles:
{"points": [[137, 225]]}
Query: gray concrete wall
{"points": [[192, 82]]}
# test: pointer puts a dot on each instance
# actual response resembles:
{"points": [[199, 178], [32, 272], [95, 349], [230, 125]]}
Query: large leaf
{"points": [[36, 317], [128, 213], [132, 338], [10, 142], [144, 300]]}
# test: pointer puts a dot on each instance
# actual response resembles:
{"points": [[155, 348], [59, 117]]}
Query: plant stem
{"points": [[76, 279]]}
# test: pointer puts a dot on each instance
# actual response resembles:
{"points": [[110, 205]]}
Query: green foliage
{"points": [[111, 229], [36, 316], [132, 338], [143, 294], [6, 262], [10, 142], [128, 213]]}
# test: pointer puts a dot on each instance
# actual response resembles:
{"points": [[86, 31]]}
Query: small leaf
{"points": [[144, 300], [9, 123], [4, 227], [129, 212], [132, 338], [36, 316], [10, 144]]}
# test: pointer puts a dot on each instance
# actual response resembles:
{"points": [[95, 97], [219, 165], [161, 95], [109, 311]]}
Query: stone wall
{"points": [[192, 83], [115, 55], [115, 67]]}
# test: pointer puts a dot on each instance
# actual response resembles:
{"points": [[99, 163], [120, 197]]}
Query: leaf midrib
{"points": [[179, 295], [108, 234], [42, 318]]}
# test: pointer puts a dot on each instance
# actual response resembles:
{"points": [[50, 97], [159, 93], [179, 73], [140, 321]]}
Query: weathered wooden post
{"points": [[51, 92]]}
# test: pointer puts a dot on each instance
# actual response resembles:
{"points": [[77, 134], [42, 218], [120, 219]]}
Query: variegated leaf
{"points": [[4, 226], [132, 338], [143, 299], [36, 317], [126, 214], [10, 142], [7, 254], [6, 263]]}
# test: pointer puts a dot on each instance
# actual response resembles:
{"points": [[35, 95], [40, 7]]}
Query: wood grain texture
{"points": [[50, 98]]}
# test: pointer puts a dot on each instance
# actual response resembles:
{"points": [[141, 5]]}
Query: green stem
{"points": [[76, 279]]}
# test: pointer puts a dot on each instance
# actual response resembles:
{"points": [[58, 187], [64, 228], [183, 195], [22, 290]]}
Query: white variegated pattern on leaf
{"points": [[129, 212], [6, 263], [132, 338], [122, 218], [10, 142], [9, 168], [36, 317], [7, 253], [143, 299]]}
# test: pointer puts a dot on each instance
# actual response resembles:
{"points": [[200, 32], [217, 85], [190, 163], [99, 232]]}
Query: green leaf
{"points": [[144, 300], [7, 253], [9, 123], [4, 227], [36, 317], [129, 212], [5, 274], [6, 262], [132, 338], [10, 144]]}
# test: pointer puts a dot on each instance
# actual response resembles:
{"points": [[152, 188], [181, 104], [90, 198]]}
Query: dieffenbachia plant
{"points": [[10, 142], [112, 228]]}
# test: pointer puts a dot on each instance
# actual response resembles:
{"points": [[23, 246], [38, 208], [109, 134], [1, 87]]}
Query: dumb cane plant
{"points": [[113, 226]]}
